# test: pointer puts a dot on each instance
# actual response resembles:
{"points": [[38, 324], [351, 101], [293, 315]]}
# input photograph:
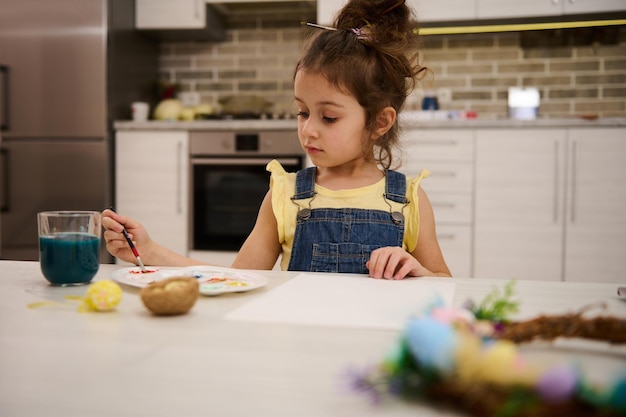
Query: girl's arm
{"points": [[150, 251], [262, 248], [425, 260], [427, 250]]}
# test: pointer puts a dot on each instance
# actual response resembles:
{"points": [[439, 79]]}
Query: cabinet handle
{"points": [[574, 181], [179, 178], [4, 157], [444, 174], [555, 215], [4, 98], [245, 162], [197, 8]]}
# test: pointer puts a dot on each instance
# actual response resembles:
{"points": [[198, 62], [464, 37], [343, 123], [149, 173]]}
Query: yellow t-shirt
{"points": [[283, 185]]}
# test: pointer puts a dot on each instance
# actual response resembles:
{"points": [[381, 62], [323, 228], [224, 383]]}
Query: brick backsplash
{"points": [[473, 72]]}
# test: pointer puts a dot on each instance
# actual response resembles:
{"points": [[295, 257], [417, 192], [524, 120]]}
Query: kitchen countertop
{"points": [[408, 120], [279, 124]]}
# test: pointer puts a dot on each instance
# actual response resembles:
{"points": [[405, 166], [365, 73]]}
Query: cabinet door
{"points": [[426, 10], [443, 10], [488, 9], [168, 14], [592, 6], [327, 9], [519, 203], [449, 155], [151, 175], [595, 243]]}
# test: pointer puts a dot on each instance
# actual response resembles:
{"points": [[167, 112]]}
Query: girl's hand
{"points": [[393, 262], [116, 243]]}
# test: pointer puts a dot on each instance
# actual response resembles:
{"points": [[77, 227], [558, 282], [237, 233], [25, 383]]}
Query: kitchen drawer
{"points": [[437, 145], [444, 176], [451, 208], [456, 246]]}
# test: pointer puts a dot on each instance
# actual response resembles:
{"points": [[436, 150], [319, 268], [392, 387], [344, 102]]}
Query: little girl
{"points": [[350, 213]]}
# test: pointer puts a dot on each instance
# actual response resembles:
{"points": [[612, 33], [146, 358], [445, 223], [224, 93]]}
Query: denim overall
{"points": [[341, 240]]}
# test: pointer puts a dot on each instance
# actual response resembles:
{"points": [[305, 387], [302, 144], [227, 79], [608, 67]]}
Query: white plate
{"points": [[134, 277], [213, 280]]}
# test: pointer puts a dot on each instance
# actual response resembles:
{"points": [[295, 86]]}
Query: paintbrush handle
{"points": [[132, 246]]}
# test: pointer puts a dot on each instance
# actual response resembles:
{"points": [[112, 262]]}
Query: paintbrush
{"points": [[132, 246]]}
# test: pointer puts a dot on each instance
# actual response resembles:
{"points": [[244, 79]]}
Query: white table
{"points": [[55, 361]]}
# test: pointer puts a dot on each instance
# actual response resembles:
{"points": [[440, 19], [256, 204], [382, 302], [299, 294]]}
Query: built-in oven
{"points": [[229, 182]]}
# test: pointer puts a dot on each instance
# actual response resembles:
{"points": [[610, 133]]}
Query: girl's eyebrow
{"points": [[322, 103]]}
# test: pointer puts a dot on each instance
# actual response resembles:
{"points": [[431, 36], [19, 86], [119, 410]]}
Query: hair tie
{"points": [[360, 34]]}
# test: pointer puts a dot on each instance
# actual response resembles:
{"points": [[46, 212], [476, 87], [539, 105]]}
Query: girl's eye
{"points": [[330, 119], [303, 114]]}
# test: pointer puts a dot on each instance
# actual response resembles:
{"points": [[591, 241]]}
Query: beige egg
{"points": [[172, 296]]}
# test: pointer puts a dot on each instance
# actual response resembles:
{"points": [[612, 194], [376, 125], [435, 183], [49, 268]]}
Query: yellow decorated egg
{"points": [[102, 296]]}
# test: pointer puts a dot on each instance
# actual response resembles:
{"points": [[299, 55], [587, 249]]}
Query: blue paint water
{"points": [[69, 258]]}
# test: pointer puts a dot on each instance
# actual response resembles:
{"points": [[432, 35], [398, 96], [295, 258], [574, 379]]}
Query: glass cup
{"points": [[69, 246]]}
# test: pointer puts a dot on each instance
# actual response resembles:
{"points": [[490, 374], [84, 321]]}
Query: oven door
{"points": [[227, 195]]}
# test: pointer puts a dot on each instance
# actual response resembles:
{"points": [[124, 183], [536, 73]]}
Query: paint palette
{"points": [[212, 280]]}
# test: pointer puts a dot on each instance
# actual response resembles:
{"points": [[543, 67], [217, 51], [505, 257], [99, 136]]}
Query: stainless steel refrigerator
{"points": [[68, 69]]}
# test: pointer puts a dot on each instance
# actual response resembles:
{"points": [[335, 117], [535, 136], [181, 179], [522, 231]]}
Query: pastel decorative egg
{"points": [[102, 296]]}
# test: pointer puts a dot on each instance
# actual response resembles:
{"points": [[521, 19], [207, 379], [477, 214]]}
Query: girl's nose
{"points": [[309, 128]]}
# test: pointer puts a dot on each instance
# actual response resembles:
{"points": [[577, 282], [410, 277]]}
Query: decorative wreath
{"points": [[468, 359]]}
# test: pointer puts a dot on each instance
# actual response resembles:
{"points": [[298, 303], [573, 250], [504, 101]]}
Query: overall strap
{"points": [[305, 183], [395, 187]]}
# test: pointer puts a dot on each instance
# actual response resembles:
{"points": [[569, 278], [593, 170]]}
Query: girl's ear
{"points": [[386, 118]]}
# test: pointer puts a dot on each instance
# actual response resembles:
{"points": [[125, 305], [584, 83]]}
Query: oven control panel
{"points": [[271, 143]]}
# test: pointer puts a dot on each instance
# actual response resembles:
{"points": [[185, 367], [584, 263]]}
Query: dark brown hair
{"points": [[372, 55]]}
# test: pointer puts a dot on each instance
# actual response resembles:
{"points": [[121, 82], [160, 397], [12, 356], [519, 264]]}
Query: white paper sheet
{"points": [[340, 300]]}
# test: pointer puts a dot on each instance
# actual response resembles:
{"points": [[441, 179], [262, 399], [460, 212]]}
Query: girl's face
{"points": [[331, 123]]}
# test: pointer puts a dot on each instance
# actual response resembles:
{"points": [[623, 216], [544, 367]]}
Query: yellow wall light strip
{"points": [[454, 30]]}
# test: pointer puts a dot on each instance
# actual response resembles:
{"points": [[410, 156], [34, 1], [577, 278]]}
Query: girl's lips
{"points": [[312, 150]]}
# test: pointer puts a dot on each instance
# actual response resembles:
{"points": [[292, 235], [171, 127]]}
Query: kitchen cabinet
{"points": [[549, 204], [151, 173], [596, 200], [450, 10], [180, 20], [488, 9], [592, 6], [519, 195], [327, 9], [167, 14], [449, 155], [426, 10], [444, 10]]}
